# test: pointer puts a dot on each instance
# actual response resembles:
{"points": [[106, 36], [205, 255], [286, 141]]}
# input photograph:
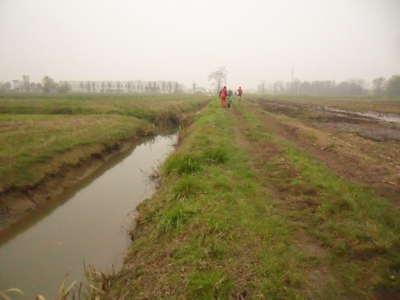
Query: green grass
{"points": [[241, 213], [41, 134], [250, 215]]}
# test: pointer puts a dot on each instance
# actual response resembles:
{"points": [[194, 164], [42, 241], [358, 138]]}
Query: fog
{"points": [[184, 41]]}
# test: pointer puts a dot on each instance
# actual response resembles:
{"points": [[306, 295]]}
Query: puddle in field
{"points": [[390, 118], [88, 224]]}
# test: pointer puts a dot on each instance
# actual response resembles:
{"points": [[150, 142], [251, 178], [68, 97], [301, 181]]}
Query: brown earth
{"points": [[361, 148]]}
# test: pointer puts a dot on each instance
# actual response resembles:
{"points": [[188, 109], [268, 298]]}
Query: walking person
{"points": [[222, 95], [229, 100], [239, 92]]}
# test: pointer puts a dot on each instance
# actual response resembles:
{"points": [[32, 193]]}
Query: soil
{"points": [[362, 147]]}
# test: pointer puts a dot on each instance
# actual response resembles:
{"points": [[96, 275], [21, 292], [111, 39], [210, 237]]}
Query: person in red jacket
{"points": [[239, 92], [222, 94]]}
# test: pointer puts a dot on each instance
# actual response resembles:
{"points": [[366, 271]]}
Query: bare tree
{"points": [[219, 77]]}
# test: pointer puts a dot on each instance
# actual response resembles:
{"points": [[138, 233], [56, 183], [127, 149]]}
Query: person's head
{"points": [[240, 87]]}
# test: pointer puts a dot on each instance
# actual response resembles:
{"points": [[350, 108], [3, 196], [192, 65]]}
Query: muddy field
{"points": [[361, 146]]}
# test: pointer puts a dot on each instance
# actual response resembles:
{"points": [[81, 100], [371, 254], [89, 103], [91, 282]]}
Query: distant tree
{"points": [[177, 89], [64, 87], [88, 86], [48, 84], [393, 86], [109, 85], [27, 86], [378, 85], [32, 86], [93, 86], [296, 86], [118, 86], [39, 87], [218, 77], [82, 85], [103, 85], [349, 88], [7, 86], [261, 87], [194, 87]]}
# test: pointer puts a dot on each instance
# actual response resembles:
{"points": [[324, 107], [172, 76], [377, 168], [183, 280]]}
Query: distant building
{"points": [[17, 85], [136, 86]]}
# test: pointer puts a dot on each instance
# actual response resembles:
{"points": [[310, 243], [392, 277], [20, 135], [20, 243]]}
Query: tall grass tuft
{"points": [[182, 164], [174, 218], [187, 186]]}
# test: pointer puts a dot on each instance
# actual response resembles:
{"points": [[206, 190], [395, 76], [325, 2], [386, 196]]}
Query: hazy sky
{"points": [[185, 40]]}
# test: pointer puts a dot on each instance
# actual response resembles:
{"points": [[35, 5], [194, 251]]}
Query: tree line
{"points": [[380, 87], [49, 85]]}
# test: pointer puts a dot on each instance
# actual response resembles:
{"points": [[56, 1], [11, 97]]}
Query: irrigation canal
{"points": [[86, 225]]}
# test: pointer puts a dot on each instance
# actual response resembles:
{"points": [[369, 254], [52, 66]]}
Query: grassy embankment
{"points": [[42, 135], [244, 214]]}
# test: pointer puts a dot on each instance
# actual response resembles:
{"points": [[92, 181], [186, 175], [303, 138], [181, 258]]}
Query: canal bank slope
{"points": [[243, 213], [51, 142]]}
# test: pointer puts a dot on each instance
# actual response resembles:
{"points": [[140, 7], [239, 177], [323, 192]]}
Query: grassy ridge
{"points": [[243, 214]]}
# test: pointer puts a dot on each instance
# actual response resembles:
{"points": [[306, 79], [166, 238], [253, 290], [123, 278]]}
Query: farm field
{"points": [[50, 141], [276, 198]]}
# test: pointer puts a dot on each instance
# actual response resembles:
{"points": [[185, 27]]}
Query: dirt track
{"points": [[362, 147]]}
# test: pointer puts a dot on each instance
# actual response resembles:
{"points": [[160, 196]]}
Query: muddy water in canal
{"points": [[87, 224]]}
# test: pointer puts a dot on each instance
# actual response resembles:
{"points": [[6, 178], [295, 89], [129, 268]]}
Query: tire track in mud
{"points": [[318, 275]]}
